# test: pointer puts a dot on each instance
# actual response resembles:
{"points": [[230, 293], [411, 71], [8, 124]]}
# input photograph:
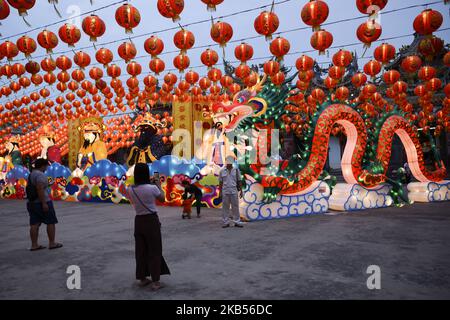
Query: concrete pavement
{"points": [[313, 257]]}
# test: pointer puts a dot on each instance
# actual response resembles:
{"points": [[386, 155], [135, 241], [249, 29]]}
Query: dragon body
{"points": [[367, 152]]}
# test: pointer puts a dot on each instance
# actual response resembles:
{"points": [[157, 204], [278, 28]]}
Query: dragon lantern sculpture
{"points": [[367, 152]]}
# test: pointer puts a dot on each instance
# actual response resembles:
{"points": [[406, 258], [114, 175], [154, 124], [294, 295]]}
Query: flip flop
{"points": [[38, 248], [58, 245]]}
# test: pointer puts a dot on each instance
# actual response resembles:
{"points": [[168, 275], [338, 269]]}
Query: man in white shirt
{"points": [[230, 189]]}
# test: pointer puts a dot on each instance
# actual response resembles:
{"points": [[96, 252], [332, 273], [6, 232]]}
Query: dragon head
{"points": [[245, 104]]}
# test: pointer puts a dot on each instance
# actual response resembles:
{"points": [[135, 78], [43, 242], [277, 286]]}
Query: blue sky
{"points": [[394, 24]]}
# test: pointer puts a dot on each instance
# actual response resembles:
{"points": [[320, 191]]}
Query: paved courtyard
{"points": [[313, 257]]}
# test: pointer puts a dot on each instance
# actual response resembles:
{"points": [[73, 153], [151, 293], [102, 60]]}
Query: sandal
{"points": [[144, 283], [156, 286], [56, 246], [38, 248]]}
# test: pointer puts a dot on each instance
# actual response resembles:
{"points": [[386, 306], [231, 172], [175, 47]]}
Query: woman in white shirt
{"points": [[147, 228]]}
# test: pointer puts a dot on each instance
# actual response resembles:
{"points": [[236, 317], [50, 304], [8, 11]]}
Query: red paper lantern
{"points": [[113, 71], [26, 45], [32, 67], [306, 76], [342, 93], [204, 83], [318, 95], [266, 24], [243, 52], [77, 75], [446, 59], [434, 84], [211, 4], [192, 77], [426, 73], [82, 59], [321, 40], [209, 58], [154, 46], [184, 40], [420, 90], [314, 13], [70, 34], [428, 21], [221, 32], [170, 79], [304, 63], [430, 47], [278, 78], [22, 6], [36, 79], [411, 64], [157, 65], [370, 6], [369, 32], [128, 17], [252, 79], [48, 64], [359, 79], [171, 9], [342, 58], [214, 75], [390, 77], [279, 47], [94, 27], [330, 83], [242, 71], [226, 81], [18, 69], [372, 68], [4, 9], [134, 69], [336, 73], [181, 62], [104, 56], [271, 68], [47, 40], [127, 51], [400, 87], [63, 63], [384, 53]]}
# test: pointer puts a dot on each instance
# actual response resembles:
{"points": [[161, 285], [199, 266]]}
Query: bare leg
{"points": [[34, 235], [51, 230]]}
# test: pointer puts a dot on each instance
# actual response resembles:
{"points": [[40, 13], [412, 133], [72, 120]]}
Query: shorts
{"points": [[38, 216]]}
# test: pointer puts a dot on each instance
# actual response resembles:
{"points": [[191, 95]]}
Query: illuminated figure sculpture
{"points": [[13, 155], [50, 150], [93, 148], [148, 145]]}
